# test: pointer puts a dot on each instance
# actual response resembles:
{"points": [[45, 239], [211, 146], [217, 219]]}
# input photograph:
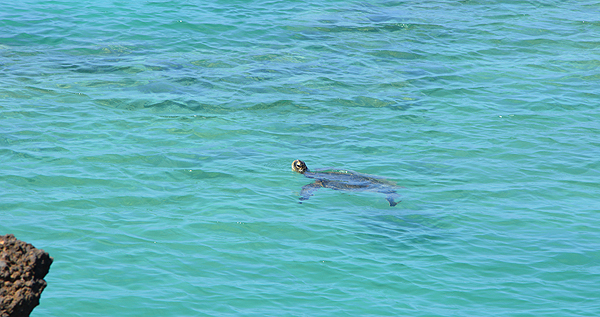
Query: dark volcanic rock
{"points": [[22, 271]]}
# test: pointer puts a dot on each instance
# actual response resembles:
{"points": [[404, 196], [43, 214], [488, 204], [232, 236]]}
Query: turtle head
{"points": [[299, 166]]}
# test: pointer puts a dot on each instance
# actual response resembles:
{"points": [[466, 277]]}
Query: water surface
{"points": [[147, 147]]}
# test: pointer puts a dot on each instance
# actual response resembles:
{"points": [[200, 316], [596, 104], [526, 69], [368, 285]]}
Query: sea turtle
{"points": [[344, 180]]}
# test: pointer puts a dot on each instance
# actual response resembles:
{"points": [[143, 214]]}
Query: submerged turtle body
{"points": [[344, 180]]}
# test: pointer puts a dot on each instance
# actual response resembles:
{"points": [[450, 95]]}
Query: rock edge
{"points": [[22, 272]]}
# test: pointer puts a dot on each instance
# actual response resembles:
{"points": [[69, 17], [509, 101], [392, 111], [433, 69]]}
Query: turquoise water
{"points": [[147, 146]]}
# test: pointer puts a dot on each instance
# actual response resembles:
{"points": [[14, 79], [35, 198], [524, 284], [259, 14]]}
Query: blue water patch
{"points": [[147, 146]]}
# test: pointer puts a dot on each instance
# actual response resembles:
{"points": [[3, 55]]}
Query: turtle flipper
{"points": [[308, 190], [390, 198]]}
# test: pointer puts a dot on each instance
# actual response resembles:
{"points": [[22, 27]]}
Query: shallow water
{"points": [[147, 147]]}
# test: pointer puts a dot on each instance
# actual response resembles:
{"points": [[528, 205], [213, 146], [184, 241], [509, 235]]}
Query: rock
{"points": [[22, 272]]}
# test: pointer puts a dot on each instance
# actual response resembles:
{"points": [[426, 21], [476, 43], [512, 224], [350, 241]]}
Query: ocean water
{"points": [[147, 145]]}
